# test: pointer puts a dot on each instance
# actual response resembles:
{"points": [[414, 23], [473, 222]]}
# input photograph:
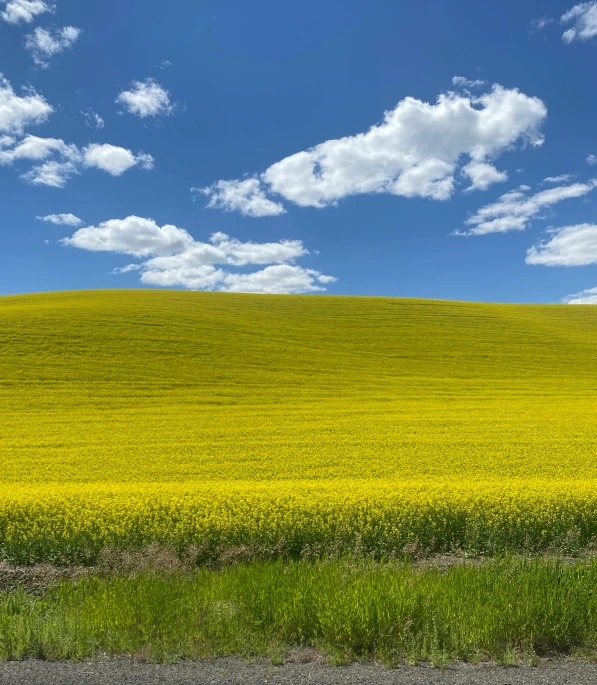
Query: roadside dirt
{"points": [[37, 578]]}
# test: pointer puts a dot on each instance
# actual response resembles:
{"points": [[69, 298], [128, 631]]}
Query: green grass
{"points": [[507, 610]]}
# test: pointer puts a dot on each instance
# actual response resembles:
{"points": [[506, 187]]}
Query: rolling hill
{"points": [[170, 386]]}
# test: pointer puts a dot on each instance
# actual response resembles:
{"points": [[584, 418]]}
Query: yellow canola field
{"points": [[252, 519], [293, 425]]}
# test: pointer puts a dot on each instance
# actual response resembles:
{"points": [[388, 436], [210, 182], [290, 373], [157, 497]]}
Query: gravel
{"points": [[238, 672]]}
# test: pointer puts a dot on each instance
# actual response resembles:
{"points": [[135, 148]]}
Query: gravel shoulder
{"points": [[238, 672]]}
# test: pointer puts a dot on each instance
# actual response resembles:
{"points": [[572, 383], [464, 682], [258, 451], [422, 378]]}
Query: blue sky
{"points": [[229, 146]]}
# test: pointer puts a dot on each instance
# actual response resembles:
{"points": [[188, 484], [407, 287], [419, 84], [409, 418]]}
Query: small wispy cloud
{"points": [[563, 178], [541, 23], [514, 210], [93, 119], [43, 44], [61, 219], [462, 81], [246, 197]]}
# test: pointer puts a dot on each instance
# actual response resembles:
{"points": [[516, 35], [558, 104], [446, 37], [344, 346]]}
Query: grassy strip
{"points": [[505, 610]]}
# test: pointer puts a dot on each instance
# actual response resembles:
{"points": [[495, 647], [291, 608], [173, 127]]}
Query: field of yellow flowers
{"points": [[293, 425]]}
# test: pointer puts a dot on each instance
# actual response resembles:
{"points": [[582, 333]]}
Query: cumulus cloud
{"points": [[591, 160], [568, 246], [61, 219], [114, 160], [43, 44], [583, 18], [588, 296], [34, 148], [24, 11], [146, 99], [246, 197], [482, 175], [463, 82], [414, 152], [278, 279], [174, 258], [60, 161], [53, 172], [134, 235], [282, 279], [17, 112], [514, 210], [93, 119]]}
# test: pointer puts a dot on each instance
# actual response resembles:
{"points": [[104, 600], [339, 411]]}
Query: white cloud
{"points": [[591, 160], [25, 11], [583, 18], [128, 268], [174, 258], [224, 250], [414, 139], [280, 279], [563, 178], [246, 197], [93, 119], [67, 160], [61, 219], [241, 254], [414, 152], [34, 148], [568, 246], [204, 277], [483, 175], [134, 235], [147, 99], [44, 44], [588, 296], [431, 178], [164, 64], [115, 160], [541, 23], [53, 173], [145, 161], [514, 210], [462, 81], [18, 112]]}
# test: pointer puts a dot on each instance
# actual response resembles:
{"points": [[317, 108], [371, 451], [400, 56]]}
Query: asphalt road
{"points": [[236, 672]]}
